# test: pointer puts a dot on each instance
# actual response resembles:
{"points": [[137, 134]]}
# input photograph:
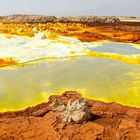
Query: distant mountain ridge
{"points": [[82, 19], [44, 19]]}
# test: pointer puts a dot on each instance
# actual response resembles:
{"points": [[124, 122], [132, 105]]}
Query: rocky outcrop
{"points": [[46, 19], [107, 121]]}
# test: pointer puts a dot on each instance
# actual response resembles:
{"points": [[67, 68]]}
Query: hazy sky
{"points": [[71, 7]]}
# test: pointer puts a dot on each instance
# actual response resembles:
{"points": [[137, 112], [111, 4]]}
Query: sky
{"points": [[71, 7]]}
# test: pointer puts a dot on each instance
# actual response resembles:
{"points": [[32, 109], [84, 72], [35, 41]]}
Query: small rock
{"points": [[40, 35], [79, 116], [57, 106], [43, 36], [35, 29], [76, 111]]}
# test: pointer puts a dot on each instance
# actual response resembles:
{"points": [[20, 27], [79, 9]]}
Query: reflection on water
{"points": [[97, 78], [119, 48]]}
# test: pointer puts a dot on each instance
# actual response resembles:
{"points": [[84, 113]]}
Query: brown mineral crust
{"points": [[86, 28], [110, 121]]}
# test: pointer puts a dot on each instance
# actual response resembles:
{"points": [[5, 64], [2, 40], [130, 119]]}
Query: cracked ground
{"points": [[109, 121]]}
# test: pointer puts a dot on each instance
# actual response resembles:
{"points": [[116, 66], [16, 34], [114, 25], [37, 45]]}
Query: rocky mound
{"points": [[46, 19], [69, 117]]}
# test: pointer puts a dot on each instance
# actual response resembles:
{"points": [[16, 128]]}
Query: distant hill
{"points": [[44, 19], [76, 19]]}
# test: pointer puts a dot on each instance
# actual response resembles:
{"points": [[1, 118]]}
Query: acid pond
{"points": [[105, 71]]}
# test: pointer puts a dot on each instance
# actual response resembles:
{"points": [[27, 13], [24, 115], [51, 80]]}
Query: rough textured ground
{"points": [[86, 29], [109, 121]]}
